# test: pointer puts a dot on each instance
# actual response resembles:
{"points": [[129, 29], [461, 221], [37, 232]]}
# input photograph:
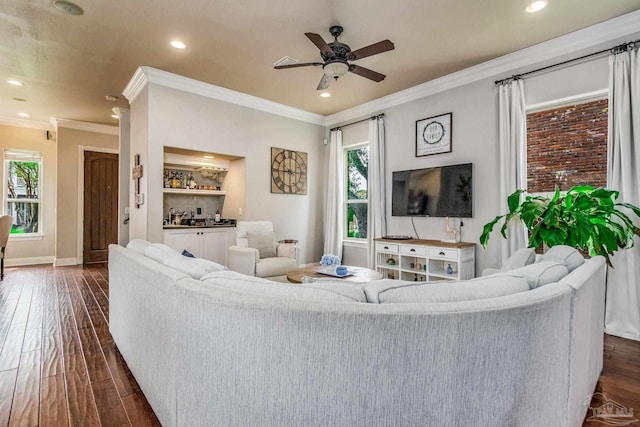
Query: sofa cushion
{"points": [[520, 258], [194, 267], [399, 291], [539, 274], [264, 242], [160, 252], [138, 245], [338, 292], [563, 254]]}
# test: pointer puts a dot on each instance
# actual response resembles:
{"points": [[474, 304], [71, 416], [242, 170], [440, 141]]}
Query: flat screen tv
{"points": [[437, 192]]}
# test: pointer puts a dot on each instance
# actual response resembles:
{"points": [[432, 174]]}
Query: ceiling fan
{"points": [[336, 57]]}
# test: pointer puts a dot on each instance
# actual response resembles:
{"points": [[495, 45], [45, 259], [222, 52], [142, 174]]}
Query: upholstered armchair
{"points": [[257, 253]]}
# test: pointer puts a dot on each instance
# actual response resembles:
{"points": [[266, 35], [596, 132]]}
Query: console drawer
{"points": [[443, 253], [413, 250], [386, 247]]}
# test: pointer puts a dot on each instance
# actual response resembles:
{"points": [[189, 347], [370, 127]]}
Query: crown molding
{"points": [[596, 35], [86, 126], [119, 111], [31, 124], [145, 75]]}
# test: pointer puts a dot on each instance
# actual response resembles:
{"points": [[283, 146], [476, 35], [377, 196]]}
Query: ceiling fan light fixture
{"points": [[336, 69], [68, 7]]}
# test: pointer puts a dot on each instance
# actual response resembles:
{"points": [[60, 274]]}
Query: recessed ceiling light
{"points": [[15, 82], [115, 116], [23, 114], [178, 44], [536, 6], [111, 98], [207, 157], [325, 94], [68, 7]]}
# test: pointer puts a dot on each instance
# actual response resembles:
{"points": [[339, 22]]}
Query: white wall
{"points": [[475, 139], [184, 120]]}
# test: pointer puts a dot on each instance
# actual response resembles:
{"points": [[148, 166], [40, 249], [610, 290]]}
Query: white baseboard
{"points": [[60, 262], [14, 262]]}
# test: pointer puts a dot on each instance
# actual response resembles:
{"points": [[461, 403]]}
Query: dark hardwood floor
{"points": [[59, 365]]}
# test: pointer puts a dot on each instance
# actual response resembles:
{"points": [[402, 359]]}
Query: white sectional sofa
{"points": [[521, 347]]}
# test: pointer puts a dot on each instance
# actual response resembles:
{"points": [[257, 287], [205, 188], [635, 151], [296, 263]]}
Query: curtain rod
{"points": [[359, 121], [619, 48]]}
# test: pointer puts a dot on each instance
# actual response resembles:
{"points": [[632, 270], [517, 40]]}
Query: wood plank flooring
{"points": [[59, 365]]}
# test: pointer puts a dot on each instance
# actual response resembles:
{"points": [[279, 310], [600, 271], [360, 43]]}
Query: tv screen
{"points": [[438, 192]]}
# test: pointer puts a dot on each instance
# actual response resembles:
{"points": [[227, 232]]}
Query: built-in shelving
{"points": [[194, 192]]}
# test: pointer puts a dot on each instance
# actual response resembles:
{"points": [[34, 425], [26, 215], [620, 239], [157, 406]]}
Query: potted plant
{"points": [[585, 218]]}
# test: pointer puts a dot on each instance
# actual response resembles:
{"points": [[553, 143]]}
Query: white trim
{"points": [[61, 262], [145, 75], [86, 126], [355, 243], [569, 100], [25, 237], [590, 37], [23, 123], [80, 207], [16, 262]]}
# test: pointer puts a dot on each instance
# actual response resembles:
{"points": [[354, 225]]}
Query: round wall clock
{"points": [[288, 171]]}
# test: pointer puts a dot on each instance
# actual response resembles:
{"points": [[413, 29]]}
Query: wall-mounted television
{"points": [[437, 192]]}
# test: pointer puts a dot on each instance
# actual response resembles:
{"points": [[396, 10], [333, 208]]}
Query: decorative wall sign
{"points": [[288, 171], [433, 135], [136, 174]]}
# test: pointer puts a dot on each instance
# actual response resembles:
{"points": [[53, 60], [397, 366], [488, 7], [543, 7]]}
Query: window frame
{"points": [[24, 156], [345, 200]]}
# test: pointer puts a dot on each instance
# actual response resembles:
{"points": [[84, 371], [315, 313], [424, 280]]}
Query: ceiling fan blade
{"points": [[320, 44], [372, 49], [367, 73], [325, 81], [302, 64]]}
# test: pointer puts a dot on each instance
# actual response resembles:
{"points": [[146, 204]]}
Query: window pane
{"points": [[25, 217], [357, 172], [357, 220], [23, 178]]}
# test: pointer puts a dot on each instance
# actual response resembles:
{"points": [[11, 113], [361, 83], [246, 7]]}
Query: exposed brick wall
{"points": [[567, 146]]}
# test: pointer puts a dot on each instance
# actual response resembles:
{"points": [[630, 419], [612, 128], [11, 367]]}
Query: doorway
{"points": [[100, 227]]}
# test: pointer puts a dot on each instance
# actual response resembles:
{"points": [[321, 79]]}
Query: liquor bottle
{"points": [[217, 216]]}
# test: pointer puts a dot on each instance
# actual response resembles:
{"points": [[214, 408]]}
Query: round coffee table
{"points": [[359, 274]]}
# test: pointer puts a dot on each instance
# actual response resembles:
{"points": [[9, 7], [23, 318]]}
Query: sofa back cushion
{"points": [[563, 254], [244, 227], [138, 245], [539, 274], [520, 258], [160, 252], [194, 267], [399, 291], [338, 292]]}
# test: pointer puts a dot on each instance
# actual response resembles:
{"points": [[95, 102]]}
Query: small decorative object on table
{"points": [[329, 260], [341, 270], [449, 269], [391, 261]]}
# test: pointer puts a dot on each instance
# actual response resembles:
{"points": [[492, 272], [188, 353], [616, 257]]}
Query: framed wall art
{"points": [[433, 135], [288, 171]]}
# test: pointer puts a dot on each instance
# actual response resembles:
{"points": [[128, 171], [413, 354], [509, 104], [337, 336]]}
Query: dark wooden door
{"points": [[100, 205]]}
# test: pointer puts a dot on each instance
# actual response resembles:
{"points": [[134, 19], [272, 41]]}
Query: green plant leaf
{"points": [[513, 201], [486, 230]]}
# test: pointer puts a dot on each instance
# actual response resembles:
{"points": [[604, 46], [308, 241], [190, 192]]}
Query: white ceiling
{"points": [[69, 63]]}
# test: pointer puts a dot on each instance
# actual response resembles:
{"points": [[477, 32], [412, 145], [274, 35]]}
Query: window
{"points": [[567, 146], [22, 190], [357, 198]]}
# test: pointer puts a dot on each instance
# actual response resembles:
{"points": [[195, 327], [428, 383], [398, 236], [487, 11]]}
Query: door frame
{"points": [[80, 213]]}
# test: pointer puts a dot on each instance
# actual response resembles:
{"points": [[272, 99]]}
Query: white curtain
{"points": [[334, 215], [622, 315], [513, 159], [376, 215]]}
